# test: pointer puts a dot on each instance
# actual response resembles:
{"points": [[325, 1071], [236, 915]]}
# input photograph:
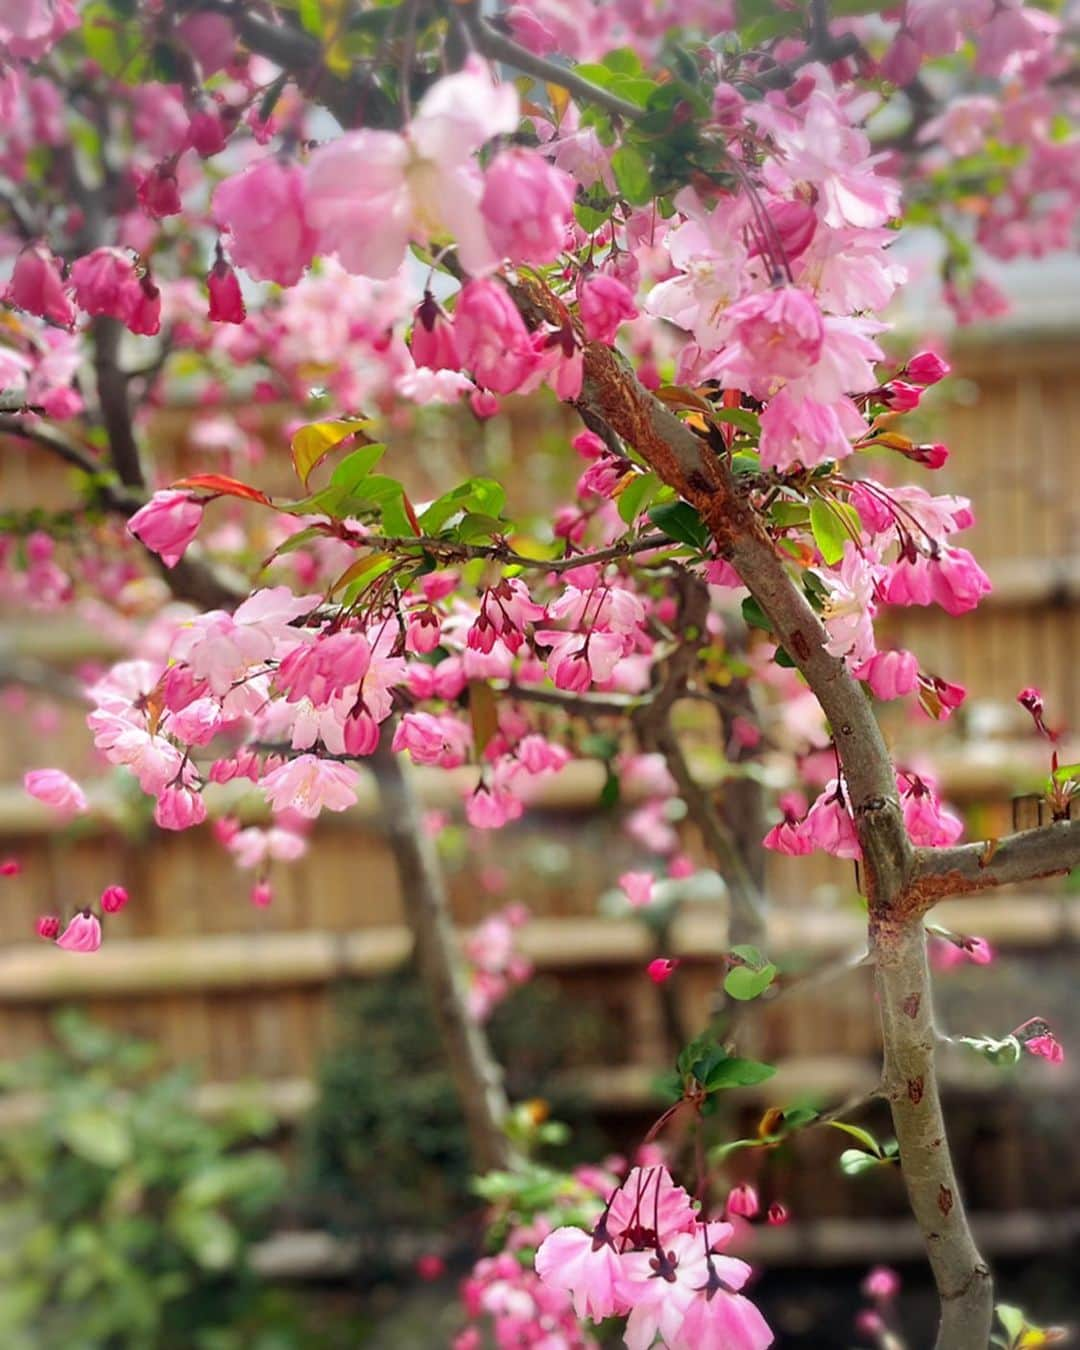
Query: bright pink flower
{"points": [[167, 524], [207, 133], [56, 789], [320, 670], [901, 62], [261, 895], [106, 282], [47, 926], [491, 808], [927, 368], [724, 1321], [662, 968], [83, 933], [430, 739], [527, 206], [113, 899], [10, 867], [1038, 1039], [604, 304], [806, 431], [638, 888], [881, 1284], [828, 825], [890, 674], [361, 734], [432, 342], [491, 337], [263, 209], [37, 286], [901, 396], [957, 582], [538, 755], [743, 1201], [309, 785], [928, 823], [226, 299], [145, 316], [179, 808], [430, 1267], [158, 192]]}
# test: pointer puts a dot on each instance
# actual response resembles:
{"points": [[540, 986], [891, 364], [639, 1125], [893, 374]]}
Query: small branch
{"points": [[1051, 850], [427, 909], [577, 705], [821, 46], [451, 550], [112, 392], [497, 47]]}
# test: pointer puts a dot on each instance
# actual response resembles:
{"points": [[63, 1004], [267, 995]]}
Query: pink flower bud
{"points": [[206, 133], [56, 789], [10, 867], [881, 1284], [263, 209], [430, 1267], [869, 1324], [113, 899], [927, 368], [158, 193], [901, 396], [432, 342], [743, 1201], [1037, 1039], [931, 456], [662, 968], [483, 403], [37, 286], [527, 206], [106, 283], [727, 105], [979, 950], [604, 303], [226, 300], [777, 1214], [48, 926], [83, 933], [167, 524], [638, 887], [179, 808], [261, 895], [491, 337]]}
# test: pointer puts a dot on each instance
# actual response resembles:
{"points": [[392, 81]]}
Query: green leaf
{"points": [[736, 1072], [857, 1132], [833, 524], [1001, 1053], [480, 496], [209, 1237], [679, 520], [98, 1135], [754, 616], [795, 1117], [743, 983], [739, 417], [356, 466], [637, 495], [313, 443], [476, 528], [632, 174], [1012, 1319], [854, 1160], [750, 955]]}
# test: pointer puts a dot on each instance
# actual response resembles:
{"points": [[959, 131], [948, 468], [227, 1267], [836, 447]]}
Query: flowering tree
{"points": [[677, 218]]}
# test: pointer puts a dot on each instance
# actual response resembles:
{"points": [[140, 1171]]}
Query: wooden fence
{"points": [[246, 994]]}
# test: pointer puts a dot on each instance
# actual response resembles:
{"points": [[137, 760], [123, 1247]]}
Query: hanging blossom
{"points": [[652, 1259]]}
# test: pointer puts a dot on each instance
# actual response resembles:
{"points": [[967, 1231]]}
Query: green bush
{"points": [[125, 1219], [385, 1147]]}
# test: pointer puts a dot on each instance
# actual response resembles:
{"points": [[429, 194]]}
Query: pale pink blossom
{"points": [[309, 785], [264, 211], [491, 337], [167, 524], [527, 205], [82, 934], [37, 286], [637, 887], [56, 789], [604, 303]]}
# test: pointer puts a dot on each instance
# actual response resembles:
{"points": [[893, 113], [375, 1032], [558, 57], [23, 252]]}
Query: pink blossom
{"points": [[263, 210], [56, 789], [890, 674], [207, 133], [527, 206], [37, 287], [158, 192], [589, 1271], [325, 668], [848, 612], [309, 785], [957, 582], [47, 927], [226, 299], [491, 337], [777, 1214], [179, 808], [10, 867], [539, 755], [743, 1201], [491, 809], [261, 895], [661, 969], [926, 368], [369, 192], [430, 739], [829, 826], [83, 933], [881, 1284], [775, 335], [806, 431], [433, 342], [604, 304], [1038, 1039], [113, 899], [928, 823], [638, 888], [167, 524], [106, 282]]}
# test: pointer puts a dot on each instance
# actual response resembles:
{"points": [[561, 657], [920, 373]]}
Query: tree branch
{"points": [[423, 892], [451, 550], [1049, 851]]}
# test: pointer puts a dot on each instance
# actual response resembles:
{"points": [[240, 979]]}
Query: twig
{"points": [[451, 550]]}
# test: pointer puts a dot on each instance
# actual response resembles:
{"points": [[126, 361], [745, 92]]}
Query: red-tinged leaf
{"points": [[410, 512], [222, 485], [483, 713]]}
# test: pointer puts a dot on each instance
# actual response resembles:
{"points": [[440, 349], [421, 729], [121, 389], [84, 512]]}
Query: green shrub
{"points": [[125, 1219]]}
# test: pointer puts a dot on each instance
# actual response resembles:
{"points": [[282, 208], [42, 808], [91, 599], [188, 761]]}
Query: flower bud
{"points": [[113, 899], [743, 1201], [48, 926]]}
